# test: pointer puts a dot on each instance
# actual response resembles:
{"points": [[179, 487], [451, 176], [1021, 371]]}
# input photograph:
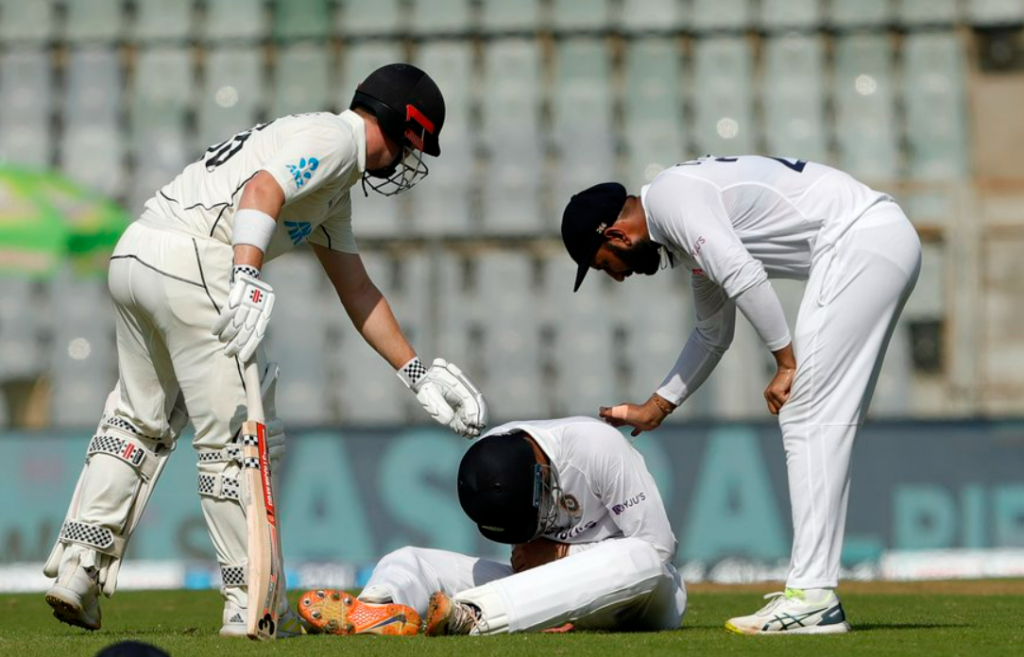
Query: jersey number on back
{"points": [[218, 154], [793, 165]]}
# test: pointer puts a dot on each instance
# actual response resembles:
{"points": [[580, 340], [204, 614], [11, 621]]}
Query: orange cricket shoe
{"points": [[329, 611]]}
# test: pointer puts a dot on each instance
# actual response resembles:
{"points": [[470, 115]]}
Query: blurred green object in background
{"points": [[46, 221]]}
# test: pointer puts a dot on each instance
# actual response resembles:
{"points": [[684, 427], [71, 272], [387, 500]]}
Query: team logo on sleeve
{"points": [[303, 171]]}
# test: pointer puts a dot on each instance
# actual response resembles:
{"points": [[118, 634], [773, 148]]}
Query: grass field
{"points": [[943, 618]]}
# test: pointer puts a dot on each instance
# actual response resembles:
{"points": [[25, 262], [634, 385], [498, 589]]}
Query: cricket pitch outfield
{"points": [[977, 618]]}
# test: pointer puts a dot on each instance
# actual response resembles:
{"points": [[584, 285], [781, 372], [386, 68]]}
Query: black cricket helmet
{"points": [[410, 110], [505, 490]]}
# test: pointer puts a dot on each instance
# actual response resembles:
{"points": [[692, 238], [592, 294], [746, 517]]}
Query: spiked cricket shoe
{"points": [[792, 613], [75, 596], [446, 616], [330, 611]]}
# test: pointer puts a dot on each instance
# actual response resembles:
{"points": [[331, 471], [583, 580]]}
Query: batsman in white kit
{"points": [[736, 222], [592, 546], [192, 310]]}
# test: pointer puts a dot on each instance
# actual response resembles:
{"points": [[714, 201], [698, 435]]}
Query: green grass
{"points": [[978, 620]]}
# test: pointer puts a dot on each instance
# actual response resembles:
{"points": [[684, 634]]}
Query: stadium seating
{"points": [[860, 14], [431, 17], [502, 16], [22, 328], [301, 19], [576, 15], [928, 12], [158, 20], [933, 95], [863, 88], [302, 79], [790, 14], [27, 22], [652, 109], [82, 359], [581, 108], [638, 16], [711, 15], [231, 96], [724, 113], [229, 20], [94, 21], [793, 92], [26, 101], [995, 12], [361, 18], [544, 98]]}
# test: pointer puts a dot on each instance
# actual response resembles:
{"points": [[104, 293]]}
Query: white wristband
{"points": [[254, 228]]}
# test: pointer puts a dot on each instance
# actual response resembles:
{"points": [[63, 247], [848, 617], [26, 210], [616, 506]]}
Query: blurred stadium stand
{"points": [[545, 97]]}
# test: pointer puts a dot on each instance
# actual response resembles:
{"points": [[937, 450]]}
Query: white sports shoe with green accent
{"points": [[793, 613], [289, 625]]}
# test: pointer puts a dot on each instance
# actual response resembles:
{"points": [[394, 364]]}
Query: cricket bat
{"points": [[263, 577]]}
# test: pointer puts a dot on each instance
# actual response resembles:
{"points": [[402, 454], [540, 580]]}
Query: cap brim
{"points": [[581, 273], [584, 267]]}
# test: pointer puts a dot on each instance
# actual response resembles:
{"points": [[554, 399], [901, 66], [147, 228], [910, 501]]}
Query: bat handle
{"points": [[253, 394]]}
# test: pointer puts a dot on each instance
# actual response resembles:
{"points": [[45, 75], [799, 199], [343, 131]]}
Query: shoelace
{"points": [[775, 598], [463, 618]]}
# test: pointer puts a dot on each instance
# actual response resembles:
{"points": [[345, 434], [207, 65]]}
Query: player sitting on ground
{"points": [[592, 545]]}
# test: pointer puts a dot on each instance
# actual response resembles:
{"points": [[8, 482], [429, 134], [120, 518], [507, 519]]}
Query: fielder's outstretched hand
{"points": [[447, 395], [645, 417], [243, 320]]}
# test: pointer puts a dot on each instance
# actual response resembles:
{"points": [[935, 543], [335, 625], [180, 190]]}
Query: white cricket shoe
{"points": [[289, 625], [792, 613], [75, 595]]}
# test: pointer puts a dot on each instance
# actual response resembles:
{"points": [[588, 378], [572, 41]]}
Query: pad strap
{"points": [[96, 537], [232, 575], [220, 487], [125, 450], [229, 453]]}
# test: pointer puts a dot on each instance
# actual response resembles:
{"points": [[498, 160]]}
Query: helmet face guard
{"points": [[406, 171], [547, 491]]}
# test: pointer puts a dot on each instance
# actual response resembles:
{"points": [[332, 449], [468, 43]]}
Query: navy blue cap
{"points": [[585, 219]]}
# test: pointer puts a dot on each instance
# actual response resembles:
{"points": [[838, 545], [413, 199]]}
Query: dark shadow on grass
{"points": [[872, 627]]}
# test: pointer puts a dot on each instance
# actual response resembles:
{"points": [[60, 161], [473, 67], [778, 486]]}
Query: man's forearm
{"points": [[371, 315]]}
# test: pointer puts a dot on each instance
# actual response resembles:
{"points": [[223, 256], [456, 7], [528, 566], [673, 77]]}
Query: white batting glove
{"points": [[447, 395], [243, 321]]}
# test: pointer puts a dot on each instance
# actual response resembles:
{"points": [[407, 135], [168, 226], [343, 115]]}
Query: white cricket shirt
{"points": [[735, 222], [607, 490], [315, 158]]}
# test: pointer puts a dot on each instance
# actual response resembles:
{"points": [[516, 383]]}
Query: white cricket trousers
{"points": [[167, 289], [853, 298], [618, 584]]}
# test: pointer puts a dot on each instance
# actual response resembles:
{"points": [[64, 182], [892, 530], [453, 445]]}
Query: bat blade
{"points": [[264, 546]]}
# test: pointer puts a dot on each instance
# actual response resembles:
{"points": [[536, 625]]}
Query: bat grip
{"points": [[253, 393]]}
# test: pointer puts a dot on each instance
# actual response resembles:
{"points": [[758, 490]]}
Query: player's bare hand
{"points": [[645, 417], [777, 392], [537, 553]]}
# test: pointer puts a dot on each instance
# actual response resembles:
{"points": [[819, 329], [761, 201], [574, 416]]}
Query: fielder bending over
{"points": [[735, 222], [185, 279], [592, 546]]}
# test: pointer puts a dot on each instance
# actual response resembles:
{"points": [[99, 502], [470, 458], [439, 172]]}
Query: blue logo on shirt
{"points": [[304, 170], [298, 230]]}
